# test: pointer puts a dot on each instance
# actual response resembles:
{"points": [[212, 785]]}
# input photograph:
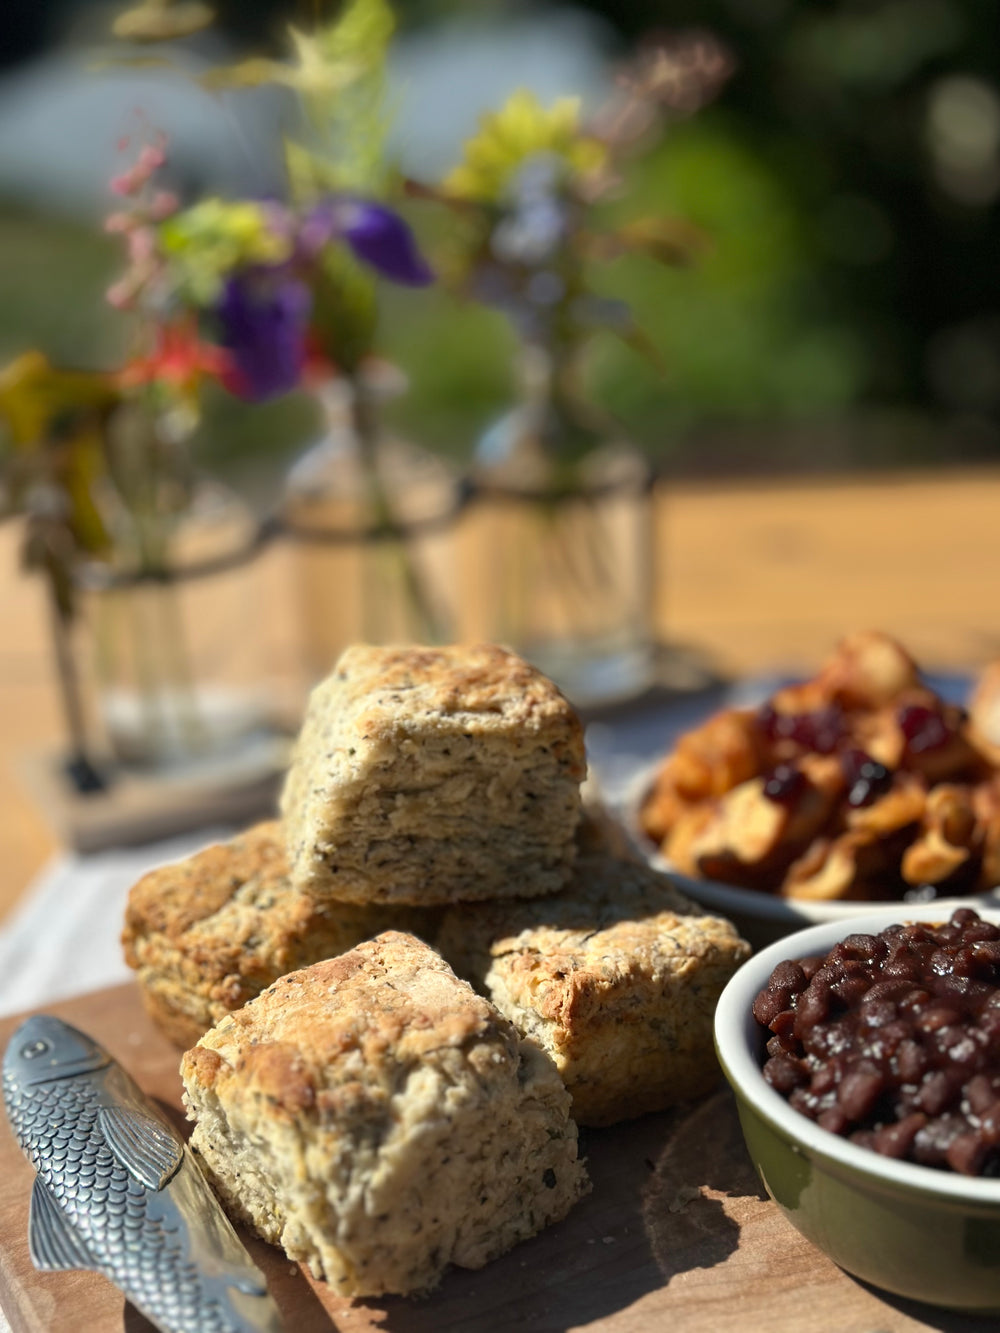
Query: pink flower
{"points": [[141, 245], [164, 203], [117, 223], [151, 158], [125, 183], [120, 294]]}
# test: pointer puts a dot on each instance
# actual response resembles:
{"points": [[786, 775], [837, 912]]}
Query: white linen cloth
{"points": [[63, 939]]}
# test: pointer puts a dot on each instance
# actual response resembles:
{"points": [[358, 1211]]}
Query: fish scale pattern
{"points": [[132, 1239]]}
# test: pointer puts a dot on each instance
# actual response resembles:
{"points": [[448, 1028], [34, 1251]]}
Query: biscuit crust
{"points": [[379, 1120], [434, 775], [616, 978], [207, 934]]}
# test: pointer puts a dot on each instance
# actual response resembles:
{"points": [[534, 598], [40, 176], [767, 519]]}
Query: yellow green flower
{"points": [[54, 420], [520, 130], [35, 396], [214, 237]]}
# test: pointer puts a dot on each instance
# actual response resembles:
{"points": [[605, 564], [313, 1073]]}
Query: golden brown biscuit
{"points": [[207, 934], [380, 1121], [430, 775], [616, 978]]}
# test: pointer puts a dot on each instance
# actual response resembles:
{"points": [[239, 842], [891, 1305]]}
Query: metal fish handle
{"points": [[117, 1190]]}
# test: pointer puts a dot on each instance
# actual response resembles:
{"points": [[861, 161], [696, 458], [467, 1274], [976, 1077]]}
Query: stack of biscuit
{"points": [[433, 958]]}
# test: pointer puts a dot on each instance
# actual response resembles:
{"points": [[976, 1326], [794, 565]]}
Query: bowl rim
{"points": [[755, 903], [735, 1028]]}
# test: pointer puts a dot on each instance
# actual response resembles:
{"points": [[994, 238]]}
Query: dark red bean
{"points": [[810, 966], [937, 1092], [834, 1119], [812, 1009], [878, 1013], [766, 1007], [966, 1153], [988, 1023], [965, 917], [893, 1041], [904, 965], [858, 1093], [824, 1079], [931, 1144], [802, 1100], [936, 1016], [783, 1045], [850, 990], [980, 1093], [911, 1061], [784, 1074], [784, 1025], [987, 951], [862, 947], [960, 1047], [824, 1041], [965, 993], [896, 1140], [989, 1125], [981, 932], [914, 1000]]}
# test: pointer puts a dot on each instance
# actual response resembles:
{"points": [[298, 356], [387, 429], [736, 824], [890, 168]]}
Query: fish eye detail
{"points": [[34, 1049]]}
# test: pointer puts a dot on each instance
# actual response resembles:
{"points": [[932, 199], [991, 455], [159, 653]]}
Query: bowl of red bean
{"points": [[865, 1059]]}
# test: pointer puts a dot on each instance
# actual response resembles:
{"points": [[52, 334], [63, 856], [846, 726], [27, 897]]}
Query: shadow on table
{"points": [[650, 1216], [929, 1316], [703, 1164], [643, 1223]]}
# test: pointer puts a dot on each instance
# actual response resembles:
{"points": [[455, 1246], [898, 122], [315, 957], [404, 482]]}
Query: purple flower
{"points": [[378, 236], [263, 314]]}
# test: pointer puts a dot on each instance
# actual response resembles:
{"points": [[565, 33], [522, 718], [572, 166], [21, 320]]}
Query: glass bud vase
{"points": [[171, 625], [371, 521], [560, 564]]}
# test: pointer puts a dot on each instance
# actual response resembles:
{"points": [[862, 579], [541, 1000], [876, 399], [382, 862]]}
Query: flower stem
{"points": [[393, 539]]}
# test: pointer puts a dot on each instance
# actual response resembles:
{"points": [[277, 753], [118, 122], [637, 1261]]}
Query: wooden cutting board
{"points": [[676, 1235]]}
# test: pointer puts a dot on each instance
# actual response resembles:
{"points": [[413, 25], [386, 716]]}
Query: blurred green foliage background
{"points": [[844, 315]]}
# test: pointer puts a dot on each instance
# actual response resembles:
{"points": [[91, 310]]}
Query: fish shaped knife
{"points": [[117, 1190]]}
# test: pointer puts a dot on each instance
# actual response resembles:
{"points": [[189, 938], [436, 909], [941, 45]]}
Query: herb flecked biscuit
{"points": [[616, 978], [208, 933], [380, 1121], [434, 775]]}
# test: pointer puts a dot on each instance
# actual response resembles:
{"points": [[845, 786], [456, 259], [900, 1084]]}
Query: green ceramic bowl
{"points": [[922, 1233]]}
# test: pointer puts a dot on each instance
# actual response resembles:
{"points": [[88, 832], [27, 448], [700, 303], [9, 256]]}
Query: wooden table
{"points": [[757, 575], [676, 1234]]}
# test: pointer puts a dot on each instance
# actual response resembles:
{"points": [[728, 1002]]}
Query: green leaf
{"points": [[310, 175], [345, 309], [338, 72]]}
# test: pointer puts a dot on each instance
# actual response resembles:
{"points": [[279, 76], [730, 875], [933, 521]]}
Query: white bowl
{"points": [[923, 1233], [763, 917]]}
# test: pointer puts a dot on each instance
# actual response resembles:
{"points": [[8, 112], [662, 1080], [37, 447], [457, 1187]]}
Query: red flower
{"points": [[178, 361]]}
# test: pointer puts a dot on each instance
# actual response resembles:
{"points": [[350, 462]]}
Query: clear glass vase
{"points": [[371, 518], [171, 635], [562, 545]]}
